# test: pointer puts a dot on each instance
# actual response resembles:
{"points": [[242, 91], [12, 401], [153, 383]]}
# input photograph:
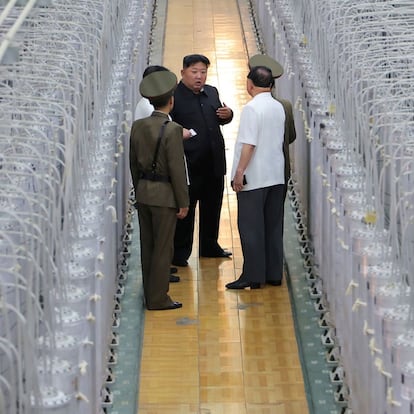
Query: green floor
{"points": [[313, 353], [130, 332]]}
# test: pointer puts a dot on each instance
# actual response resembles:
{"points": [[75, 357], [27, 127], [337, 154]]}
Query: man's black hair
{"points": [[261, 76], [152, 69], [190, 60]]}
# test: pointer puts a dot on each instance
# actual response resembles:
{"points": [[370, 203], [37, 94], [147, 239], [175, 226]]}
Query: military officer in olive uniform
{"points": [[159, 177], [290, 131]]}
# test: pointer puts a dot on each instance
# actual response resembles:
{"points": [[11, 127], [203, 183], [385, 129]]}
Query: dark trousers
{"points": [[208, 192], [156, 226], [260, 223]]}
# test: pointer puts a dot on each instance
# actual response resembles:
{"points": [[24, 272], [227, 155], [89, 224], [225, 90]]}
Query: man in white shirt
{"points": [[259, 179], [290, 130], [144, 107]]}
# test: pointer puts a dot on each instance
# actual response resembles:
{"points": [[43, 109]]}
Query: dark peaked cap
{"points": [[268, 62], [158, 84]]}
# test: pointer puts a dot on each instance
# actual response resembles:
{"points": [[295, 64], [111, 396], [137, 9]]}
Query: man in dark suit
{"points": [[198, 108], [158, 173], [290, 131]]}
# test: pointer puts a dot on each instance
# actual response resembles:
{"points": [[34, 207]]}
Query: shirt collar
{"points": [[202, 91]]}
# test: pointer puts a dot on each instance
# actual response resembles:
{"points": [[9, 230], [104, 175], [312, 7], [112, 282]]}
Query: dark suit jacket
{"points": [[290, 134], [206, 151], [170, 162]]}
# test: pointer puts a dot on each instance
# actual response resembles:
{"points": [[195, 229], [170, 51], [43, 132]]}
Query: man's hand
{"points": [[224, 112], [182, 213], [237, 183], [186, 133]]}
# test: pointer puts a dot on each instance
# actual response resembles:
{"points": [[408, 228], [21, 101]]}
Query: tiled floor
{"points": [[225, 351]]}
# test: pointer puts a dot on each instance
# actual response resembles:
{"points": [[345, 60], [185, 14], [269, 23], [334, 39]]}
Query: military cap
{"points": [[158, 84], [268, 62]]}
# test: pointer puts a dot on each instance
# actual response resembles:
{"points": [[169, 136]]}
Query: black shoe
{"points": [[174, 279], [180, 262], [173, 270], [220, 253], [237, 284], [174, 305], [274, 282]]}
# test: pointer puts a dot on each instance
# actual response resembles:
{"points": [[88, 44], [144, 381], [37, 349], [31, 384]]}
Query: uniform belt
{"points": [[155, 177]]}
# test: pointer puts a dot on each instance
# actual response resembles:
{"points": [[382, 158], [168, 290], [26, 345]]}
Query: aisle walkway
{"points": [[224, 352]]}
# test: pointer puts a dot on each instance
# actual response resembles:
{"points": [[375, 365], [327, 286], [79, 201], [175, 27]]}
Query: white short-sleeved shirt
{"points": [[262, 124], [143, 109]]}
